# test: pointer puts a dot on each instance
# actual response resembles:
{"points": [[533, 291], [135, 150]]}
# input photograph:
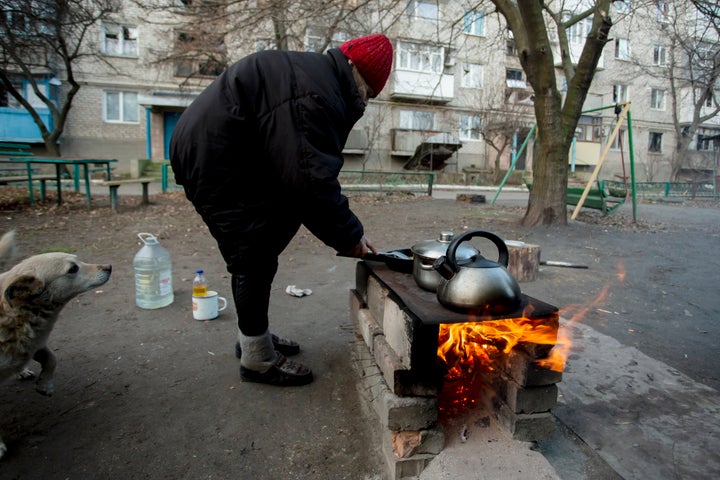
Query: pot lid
{"points": [[436, 248]]}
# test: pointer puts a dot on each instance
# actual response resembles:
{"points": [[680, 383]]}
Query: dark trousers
{"points": [[250, 241]]}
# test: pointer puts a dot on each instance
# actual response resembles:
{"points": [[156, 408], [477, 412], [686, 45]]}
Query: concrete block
{"points": [[526, 427], [376, 295], [408, 413], [523, 369], [360, 315], [397, 327], [403, 468], [526, 399]]}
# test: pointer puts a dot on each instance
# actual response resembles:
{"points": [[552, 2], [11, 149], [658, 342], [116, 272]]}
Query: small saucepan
{"points": [[426, 252]]}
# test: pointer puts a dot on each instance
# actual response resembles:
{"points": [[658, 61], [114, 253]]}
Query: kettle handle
{"points": [[503, 253]]}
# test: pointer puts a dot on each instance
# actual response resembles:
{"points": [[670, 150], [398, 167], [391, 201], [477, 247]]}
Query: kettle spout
{"points": [[442, 266]]}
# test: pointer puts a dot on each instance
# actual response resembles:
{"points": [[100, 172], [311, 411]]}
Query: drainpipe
{"points": [[148, 133]]}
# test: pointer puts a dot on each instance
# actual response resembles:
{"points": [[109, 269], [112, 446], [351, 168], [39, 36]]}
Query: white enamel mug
{"points": [[208, 306]]}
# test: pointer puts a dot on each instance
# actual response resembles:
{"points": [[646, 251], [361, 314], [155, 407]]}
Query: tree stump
{"points": [[524, 261]]}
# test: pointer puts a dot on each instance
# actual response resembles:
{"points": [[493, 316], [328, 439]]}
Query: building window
{"points": [[474, 23], [578, 32], [655, 145], [707, 140], [419, 57], [416, 120], [620, 94], [315, 40], [659, 55], [427, 10], [120, 40], [622, 49], [618, 140], [6, 98], [663, 11], [121, 107], [622, 6], [472, 75], [469, 127], [657, 99]]}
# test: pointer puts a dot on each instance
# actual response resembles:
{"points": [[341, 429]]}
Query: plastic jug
{"points": [[153, 274]]}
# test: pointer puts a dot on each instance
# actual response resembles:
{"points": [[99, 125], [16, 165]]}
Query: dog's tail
{"points": [[7, 247]]}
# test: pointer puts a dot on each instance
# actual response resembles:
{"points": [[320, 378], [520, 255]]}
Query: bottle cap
{"points": [[199, 271]]}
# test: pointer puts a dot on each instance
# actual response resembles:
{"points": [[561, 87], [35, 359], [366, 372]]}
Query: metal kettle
{"points": [[477, 285]]}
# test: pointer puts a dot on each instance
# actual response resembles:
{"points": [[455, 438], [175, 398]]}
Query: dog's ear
{"points": [[23, 289]]}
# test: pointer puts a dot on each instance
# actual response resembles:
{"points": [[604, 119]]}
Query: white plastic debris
{"points": [[297, 292]]}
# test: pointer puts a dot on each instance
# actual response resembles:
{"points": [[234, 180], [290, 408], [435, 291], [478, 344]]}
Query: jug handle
{"points": [[503, 253], [147, 237]]}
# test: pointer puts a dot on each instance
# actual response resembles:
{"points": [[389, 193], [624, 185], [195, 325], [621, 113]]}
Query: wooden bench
{"points": [[7, 179], [114, 185], [597, 198], [15, 149]]}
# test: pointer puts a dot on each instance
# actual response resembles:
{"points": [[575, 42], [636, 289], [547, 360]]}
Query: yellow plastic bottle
{"points": [[199, 284]]}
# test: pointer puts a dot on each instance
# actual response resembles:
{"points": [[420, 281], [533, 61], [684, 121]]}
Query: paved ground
{"points": [[154, 394]]}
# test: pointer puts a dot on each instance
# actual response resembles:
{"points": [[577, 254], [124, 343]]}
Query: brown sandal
{"points": [[284, 373]]}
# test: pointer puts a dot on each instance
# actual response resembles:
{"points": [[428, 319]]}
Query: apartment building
{"points": [[456, 94]]}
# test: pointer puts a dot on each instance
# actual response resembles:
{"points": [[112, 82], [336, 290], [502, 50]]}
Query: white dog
{"points": [[32, 294]]}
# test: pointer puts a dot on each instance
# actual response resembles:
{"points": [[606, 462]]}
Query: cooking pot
{"points": [[426, 252], [477, 285]]}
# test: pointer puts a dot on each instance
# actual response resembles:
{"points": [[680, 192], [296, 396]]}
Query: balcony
{"points": [[425, 86], [17, 125]]}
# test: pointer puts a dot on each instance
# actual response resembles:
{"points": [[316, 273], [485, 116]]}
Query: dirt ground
{"points": [[155, 394]]}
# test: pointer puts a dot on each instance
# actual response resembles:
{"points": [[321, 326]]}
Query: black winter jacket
{"points": [[267, 136]]}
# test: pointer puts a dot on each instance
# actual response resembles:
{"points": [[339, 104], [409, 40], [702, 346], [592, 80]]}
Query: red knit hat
{"points": [[372, 55]]}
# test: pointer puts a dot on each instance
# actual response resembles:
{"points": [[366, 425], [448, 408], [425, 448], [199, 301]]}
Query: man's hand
{"points": [[361, 248]]}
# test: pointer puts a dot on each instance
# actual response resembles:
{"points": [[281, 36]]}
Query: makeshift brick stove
{"points": [[400, 325]]}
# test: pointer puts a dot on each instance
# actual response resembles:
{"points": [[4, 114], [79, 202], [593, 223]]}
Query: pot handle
{"points": [[503, 253]]}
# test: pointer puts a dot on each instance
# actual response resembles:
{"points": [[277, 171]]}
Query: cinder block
{"points": [[408, 413], [367, 326], [523, 369], [406, 443], [525, 427], [526, 399], [397, 327], [376, 295], [403, 468]]}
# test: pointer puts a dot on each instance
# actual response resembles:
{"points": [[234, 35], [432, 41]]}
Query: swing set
{"points": [[595, 194]]}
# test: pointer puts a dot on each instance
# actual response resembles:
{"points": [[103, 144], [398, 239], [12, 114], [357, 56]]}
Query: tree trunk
{"points": [[550, 166]]}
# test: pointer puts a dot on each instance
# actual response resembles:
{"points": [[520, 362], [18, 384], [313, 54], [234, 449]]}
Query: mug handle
{"points": [[224, 303]]}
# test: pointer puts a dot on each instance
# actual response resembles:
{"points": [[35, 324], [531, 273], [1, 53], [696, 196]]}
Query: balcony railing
{"points": [[432, 87]]}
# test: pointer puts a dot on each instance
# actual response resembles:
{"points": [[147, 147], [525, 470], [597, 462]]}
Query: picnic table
{"points": [[59, 163]]}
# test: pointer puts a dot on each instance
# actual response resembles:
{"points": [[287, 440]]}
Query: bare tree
{"points": [[206, 30], [46, 37], [693, 73], [531, 22]]}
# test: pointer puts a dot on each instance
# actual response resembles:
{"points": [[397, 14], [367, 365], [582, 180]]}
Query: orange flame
{"points": [[466, 347]]}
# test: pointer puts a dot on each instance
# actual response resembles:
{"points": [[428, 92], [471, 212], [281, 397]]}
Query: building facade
{"points": [[457, 100]]}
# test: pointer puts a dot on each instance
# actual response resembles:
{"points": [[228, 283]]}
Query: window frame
{"points": [[620, 93], [469, 128], [474, 72], [119, 49], [414, 10], [622, 49], [120, 107], [657, 99], [427, 55], [655, 142], [473, 21], [659, 55], [413, 119]]}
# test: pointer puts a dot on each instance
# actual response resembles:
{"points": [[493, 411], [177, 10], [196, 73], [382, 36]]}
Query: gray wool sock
{"points": [[258, 353]]}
